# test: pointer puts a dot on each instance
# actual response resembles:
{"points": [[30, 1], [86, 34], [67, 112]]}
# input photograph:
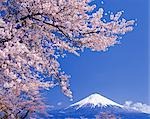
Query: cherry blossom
{"points": [[34, 34]]}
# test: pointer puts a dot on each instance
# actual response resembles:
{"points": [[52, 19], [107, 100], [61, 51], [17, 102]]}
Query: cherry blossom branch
{"points": [[28, 49]]}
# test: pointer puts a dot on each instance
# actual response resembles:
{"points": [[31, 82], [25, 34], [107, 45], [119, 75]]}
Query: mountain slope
{"points": [[94, 105], [96, 100]]}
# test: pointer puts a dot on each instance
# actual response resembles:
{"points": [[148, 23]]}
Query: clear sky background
{"points": [[121, 73]]}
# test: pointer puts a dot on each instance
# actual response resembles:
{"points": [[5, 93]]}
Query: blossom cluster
{"points": [[34, 34]]}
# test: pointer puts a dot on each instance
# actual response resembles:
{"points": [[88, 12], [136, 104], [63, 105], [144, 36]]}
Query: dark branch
{"points": [[91, 32], [29, 16], [26, 114], [2, 40], [1, 27], [56, 26]]}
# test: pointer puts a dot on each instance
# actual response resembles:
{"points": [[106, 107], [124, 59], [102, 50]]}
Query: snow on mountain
{"points": [[96, 100]]}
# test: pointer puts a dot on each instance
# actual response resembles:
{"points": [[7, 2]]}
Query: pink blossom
{"points": [[27, 39]]}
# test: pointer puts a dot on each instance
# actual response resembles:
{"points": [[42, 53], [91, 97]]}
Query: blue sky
{"points": [[121, 73]]}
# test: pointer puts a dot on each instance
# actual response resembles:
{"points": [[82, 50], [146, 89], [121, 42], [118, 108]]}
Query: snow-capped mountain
{"points": [[96, 100], [94, 105]]}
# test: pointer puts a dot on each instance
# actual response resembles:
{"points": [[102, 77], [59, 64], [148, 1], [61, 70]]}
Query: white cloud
{"points": [[138, 106], [59, 103]]}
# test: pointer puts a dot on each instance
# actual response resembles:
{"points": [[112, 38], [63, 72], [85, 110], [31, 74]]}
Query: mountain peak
{"points": [[96, 100]]}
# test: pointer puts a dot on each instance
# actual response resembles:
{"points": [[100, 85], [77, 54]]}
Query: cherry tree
{"points": [[34, 34]]}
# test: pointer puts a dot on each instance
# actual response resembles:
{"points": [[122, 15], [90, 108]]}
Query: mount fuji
{"points": [[95, 106], [95, 100]]}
